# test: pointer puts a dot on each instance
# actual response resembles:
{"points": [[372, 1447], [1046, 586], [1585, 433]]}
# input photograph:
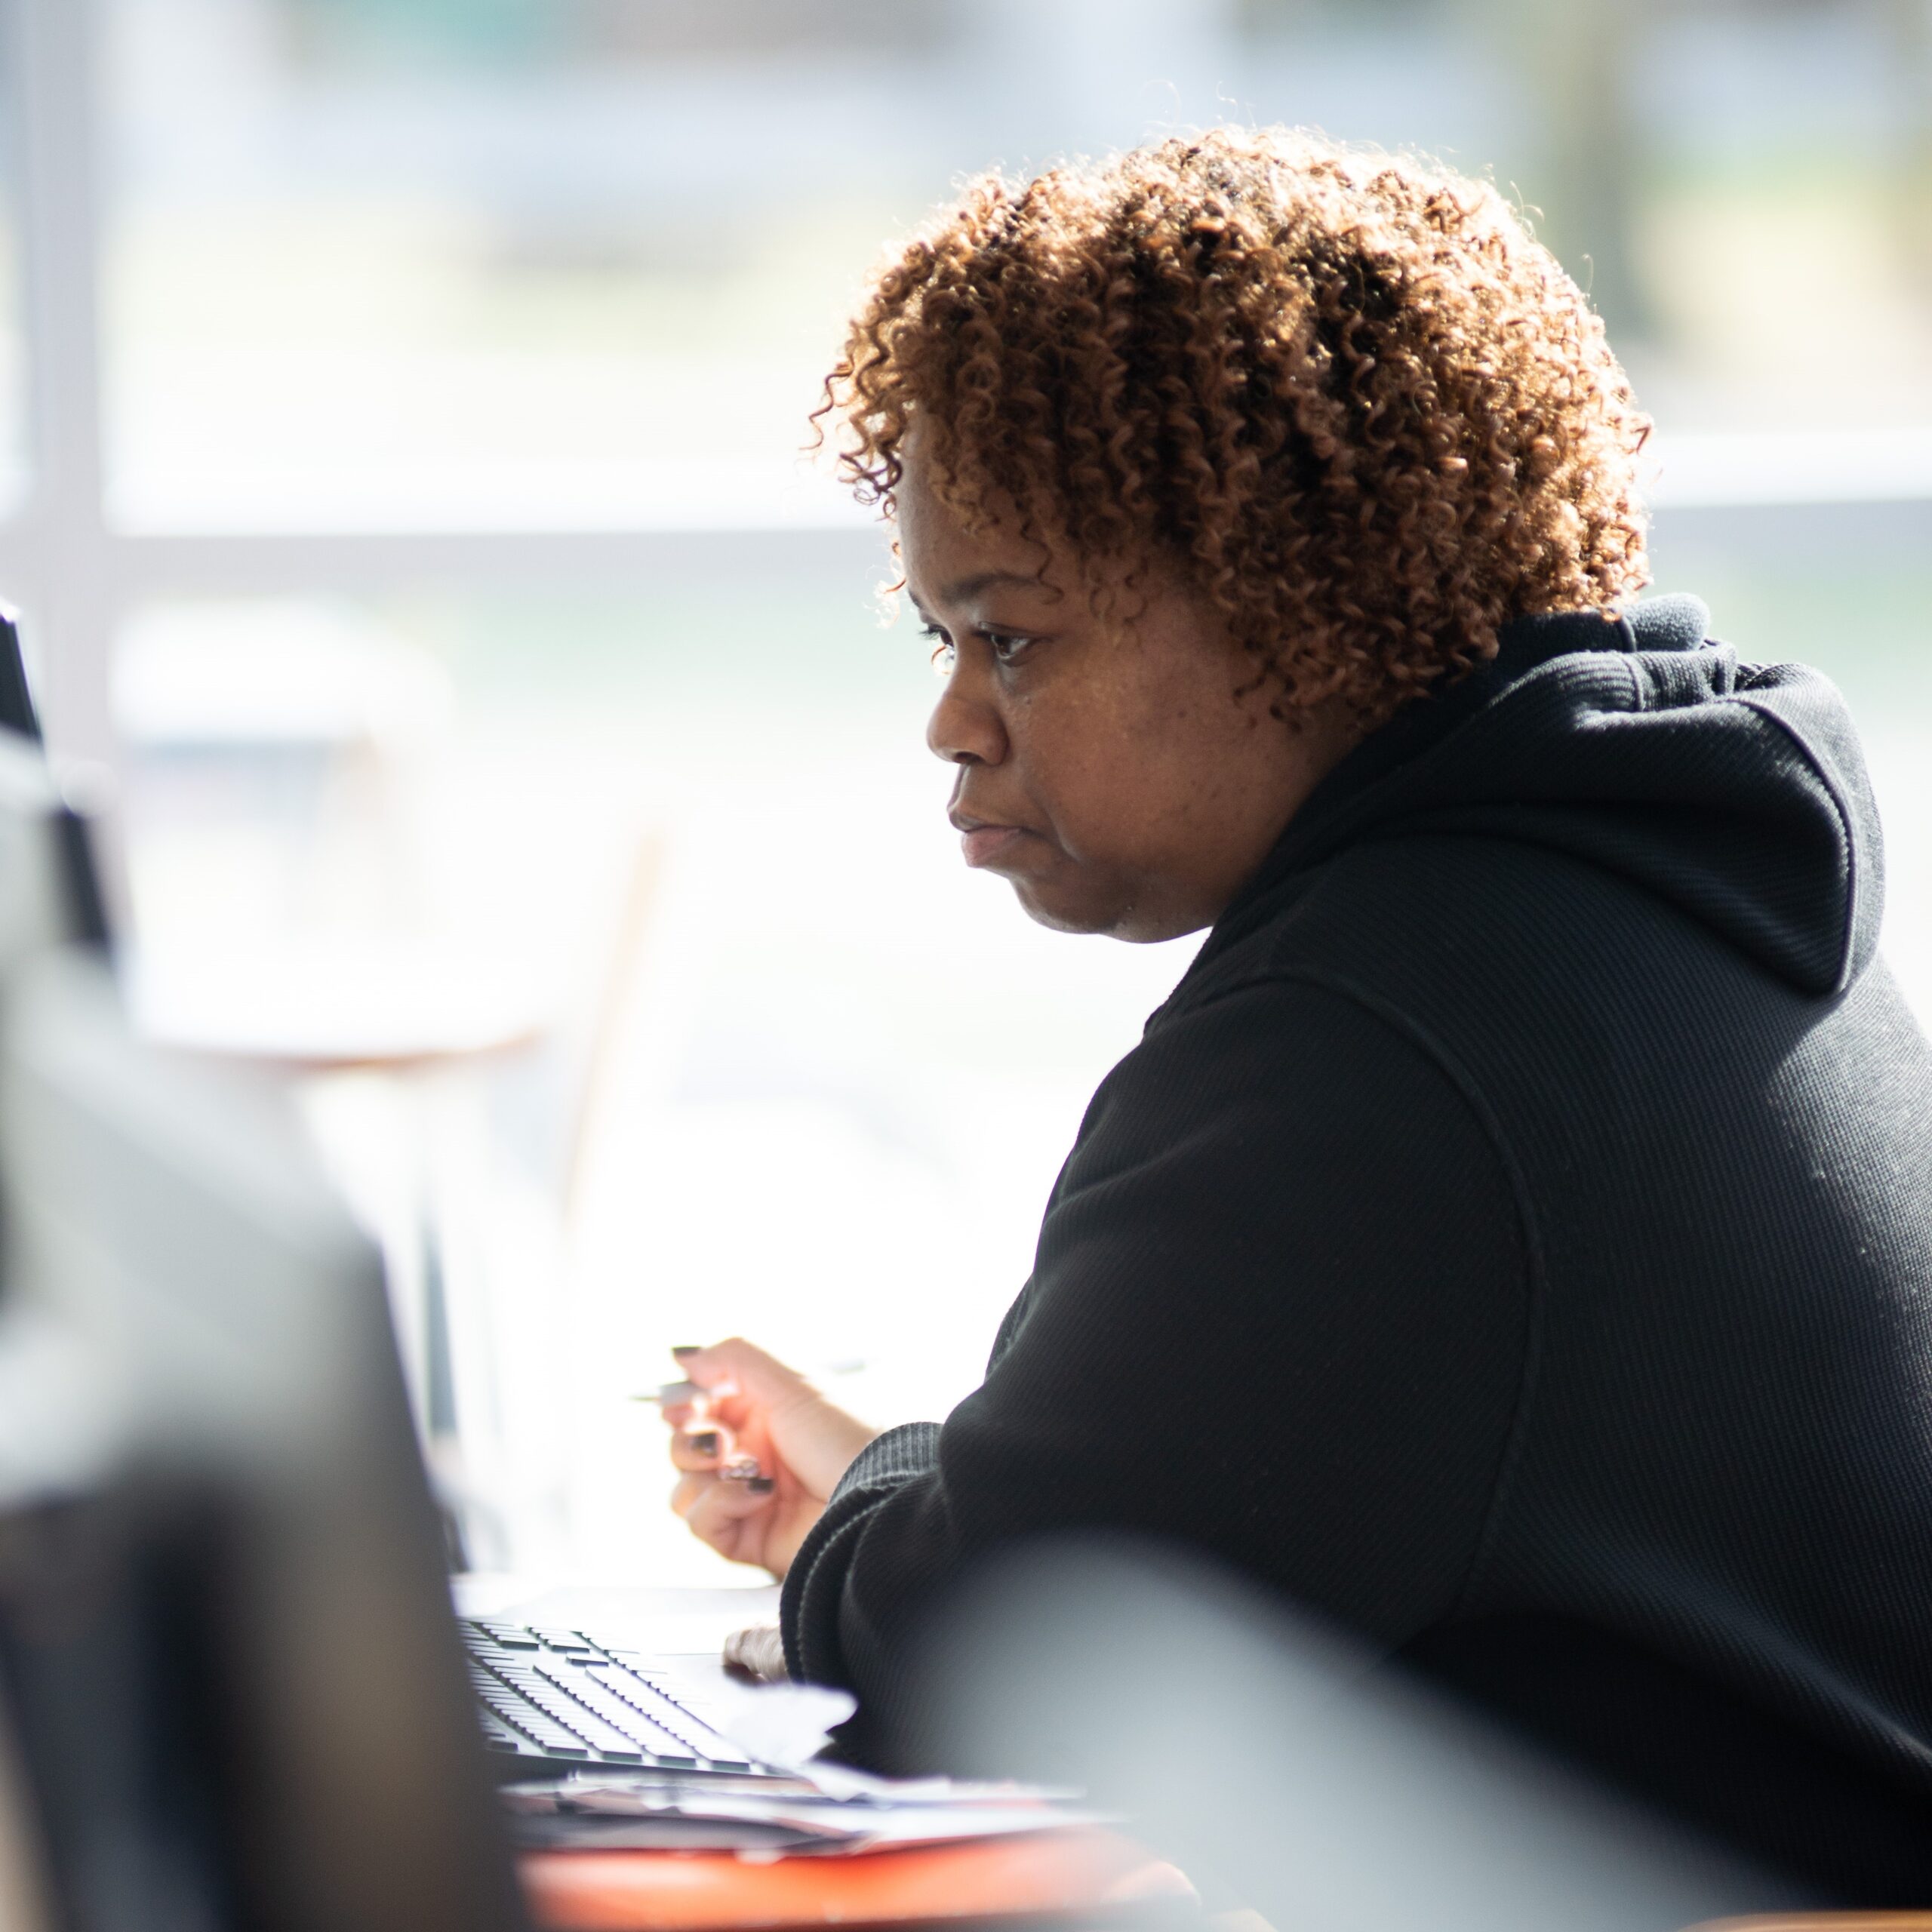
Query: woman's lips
{"points": [[984, 845]]}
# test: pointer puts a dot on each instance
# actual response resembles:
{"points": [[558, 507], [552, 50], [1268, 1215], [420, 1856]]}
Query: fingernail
{"points": [[761, 1485], [687, 1349], [705, 1443]]}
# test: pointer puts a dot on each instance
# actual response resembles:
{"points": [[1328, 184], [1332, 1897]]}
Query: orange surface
{"points": [[1823, 1921], [660, 1891]]}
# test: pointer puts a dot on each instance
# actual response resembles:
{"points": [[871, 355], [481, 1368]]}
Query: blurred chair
{"points": [[548, 1106], [453, 1099], [384, 1045], [286, 762], [275, 753]]}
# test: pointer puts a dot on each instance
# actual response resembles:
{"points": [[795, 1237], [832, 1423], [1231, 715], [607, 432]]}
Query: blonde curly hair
{"points": [[1345, 393]]}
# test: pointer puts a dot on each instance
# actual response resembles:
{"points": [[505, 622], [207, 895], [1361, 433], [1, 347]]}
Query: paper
{"points": [[655, 1809], [784, 1724]]}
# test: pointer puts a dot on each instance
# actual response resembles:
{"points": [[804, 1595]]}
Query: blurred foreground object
{"points": [[224, 1635], [1252, 1750]]}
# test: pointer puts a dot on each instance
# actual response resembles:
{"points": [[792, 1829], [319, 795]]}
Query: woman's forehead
{"points": [[950, 557]]}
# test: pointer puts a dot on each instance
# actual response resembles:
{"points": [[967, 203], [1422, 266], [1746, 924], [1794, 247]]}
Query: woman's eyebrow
{"points": [[964, 587]]}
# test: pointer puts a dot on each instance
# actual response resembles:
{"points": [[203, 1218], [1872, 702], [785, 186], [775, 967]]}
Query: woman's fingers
{"points": [[702, 1444], [758, 1654], [721, 1511], [778, 1414], [739, 1491], [737, 1367]]}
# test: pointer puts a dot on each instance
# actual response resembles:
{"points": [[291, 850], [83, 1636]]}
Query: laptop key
{"points": [[665, 1712], [551, 1737], [512, 1635], [566, 1692], [654, 1738], [569, 1711]]}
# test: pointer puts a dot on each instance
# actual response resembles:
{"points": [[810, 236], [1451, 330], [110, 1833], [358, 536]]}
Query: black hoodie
{"points": [[1513, 1241]]}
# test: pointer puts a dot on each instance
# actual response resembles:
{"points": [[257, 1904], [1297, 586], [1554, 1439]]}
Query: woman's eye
{"points": [[1007, 647]]}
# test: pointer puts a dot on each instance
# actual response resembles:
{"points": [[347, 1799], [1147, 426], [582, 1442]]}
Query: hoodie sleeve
{"points": [[1278, 1313]]}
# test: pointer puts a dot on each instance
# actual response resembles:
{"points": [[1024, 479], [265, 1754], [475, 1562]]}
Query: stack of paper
{"points": [[835, 1813]]}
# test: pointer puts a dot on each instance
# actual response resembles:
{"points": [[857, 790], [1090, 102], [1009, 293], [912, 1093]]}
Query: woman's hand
{"points": [[751, 1408]]}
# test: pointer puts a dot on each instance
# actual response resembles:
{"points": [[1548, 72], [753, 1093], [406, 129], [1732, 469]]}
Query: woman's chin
{"points": [[1061, 911], [1064, 908], [1125, 917]]}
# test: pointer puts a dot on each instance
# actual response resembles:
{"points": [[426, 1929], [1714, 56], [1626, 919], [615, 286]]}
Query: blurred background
{"points": [[401, 403]]}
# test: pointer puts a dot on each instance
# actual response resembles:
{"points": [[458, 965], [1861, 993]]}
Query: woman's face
{"points": [[1106, 767]]}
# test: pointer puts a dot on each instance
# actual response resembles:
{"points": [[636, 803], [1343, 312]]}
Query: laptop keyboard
{"points": [[565, 1700]]}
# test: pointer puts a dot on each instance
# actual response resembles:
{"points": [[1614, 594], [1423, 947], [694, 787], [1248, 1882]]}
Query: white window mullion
{"points": [[62, 559]]}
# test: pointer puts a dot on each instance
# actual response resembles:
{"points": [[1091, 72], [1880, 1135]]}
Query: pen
{"points": [[673, 1393]]}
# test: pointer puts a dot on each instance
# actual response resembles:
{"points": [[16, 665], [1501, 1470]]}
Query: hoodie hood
{"points": [[1736, 792]]}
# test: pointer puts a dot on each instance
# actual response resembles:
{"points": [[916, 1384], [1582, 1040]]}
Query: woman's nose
{"points": [[964, 729]]}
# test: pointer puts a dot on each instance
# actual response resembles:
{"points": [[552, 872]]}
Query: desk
{"points": [[1075, 1878]]}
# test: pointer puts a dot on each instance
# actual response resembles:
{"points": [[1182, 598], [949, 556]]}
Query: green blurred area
{"points": [[763, 648], [506, 33], [1759, 256], [1866, 624], [823, 647], [469, 236]]}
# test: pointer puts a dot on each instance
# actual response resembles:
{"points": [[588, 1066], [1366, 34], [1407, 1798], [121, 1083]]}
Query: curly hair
{"points": [[1346, 394]]}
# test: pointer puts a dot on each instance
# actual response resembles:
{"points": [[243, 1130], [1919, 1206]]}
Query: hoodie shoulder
{"points": [[1808, 709], [1735, 794]]}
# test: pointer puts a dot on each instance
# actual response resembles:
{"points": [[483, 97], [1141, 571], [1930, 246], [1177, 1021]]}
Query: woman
{"points": [[1512, 1239]]}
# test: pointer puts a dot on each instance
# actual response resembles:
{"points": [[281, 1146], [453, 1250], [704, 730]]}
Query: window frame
{"points": [[76, 576]]}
